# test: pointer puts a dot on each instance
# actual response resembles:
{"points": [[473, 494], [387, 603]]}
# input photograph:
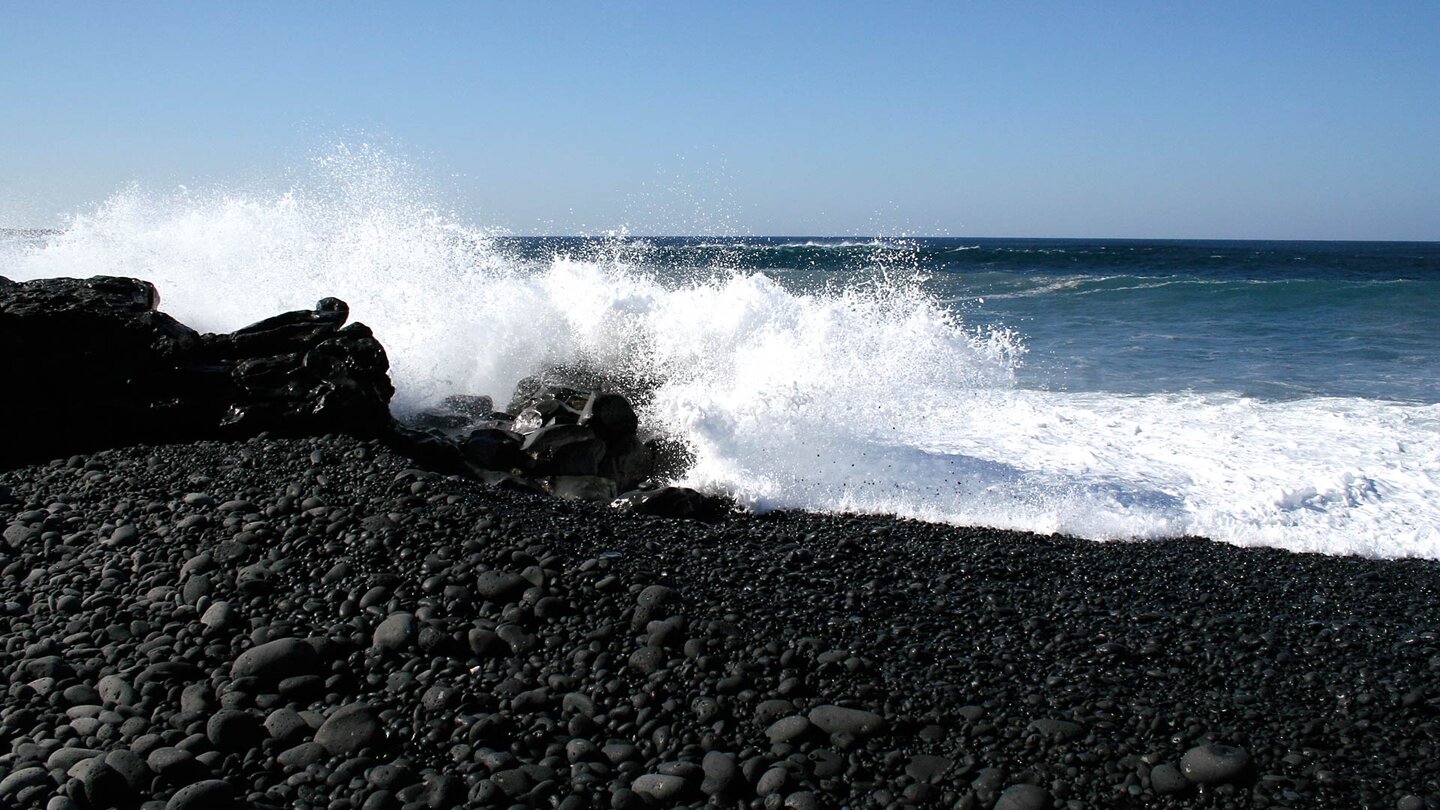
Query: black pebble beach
{"points": [[268, 594], [313, 622]]}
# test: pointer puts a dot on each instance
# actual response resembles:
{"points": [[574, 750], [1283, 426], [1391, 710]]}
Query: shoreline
{"points": [[983, 666]]}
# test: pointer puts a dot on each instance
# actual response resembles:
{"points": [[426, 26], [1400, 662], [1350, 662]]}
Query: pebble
{"points": [[841, 720], [211, 794], [233, 730], [277, 660], [22, 779], [1059, 729], [1215, 764], [349, 729], [1166, 779], [719, 769], [658, 787], [1024, 797], [925, 767], [500, 586], [219, 615], [396, 633], [650, 668], [788, 729]]}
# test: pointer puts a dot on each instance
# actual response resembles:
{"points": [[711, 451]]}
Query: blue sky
{"points": [[1245, 120]]}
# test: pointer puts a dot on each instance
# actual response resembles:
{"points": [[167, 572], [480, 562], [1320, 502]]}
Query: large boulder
{"points": [[673, 502], [561, 449], [92, 363]]}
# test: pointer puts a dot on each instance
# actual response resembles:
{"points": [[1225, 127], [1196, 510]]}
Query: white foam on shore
{"points": [[872, 397]]}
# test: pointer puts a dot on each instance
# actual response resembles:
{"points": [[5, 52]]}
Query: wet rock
{"points": [[610, 416], [596, 488], [673, 502], [563, 450], [492, 449], [1215, 764]]}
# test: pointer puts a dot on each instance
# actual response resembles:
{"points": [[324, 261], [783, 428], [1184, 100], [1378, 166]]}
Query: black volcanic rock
{"points": [[674, 502], [563, 449], [92, 363]]}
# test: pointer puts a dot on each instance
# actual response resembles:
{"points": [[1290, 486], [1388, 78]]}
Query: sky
{"points": [[1295, 120]]}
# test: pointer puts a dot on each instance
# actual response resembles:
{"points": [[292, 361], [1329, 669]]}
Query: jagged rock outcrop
{"points": [[92, 363], [89, 364]]}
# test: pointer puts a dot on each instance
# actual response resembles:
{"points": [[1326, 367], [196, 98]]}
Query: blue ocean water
{"points": [[1276, 320], [1259, 393]]}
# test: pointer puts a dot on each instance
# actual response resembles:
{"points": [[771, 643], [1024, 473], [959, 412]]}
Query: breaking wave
{"points": [[861, 393]]}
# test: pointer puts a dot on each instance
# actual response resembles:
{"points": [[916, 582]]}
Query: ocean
{"points": [[1282, 394]]}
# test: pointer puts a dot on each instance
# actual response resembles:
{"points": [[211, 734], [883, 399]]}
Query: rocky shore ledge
{"points": [[319, 621], [95, 364]]}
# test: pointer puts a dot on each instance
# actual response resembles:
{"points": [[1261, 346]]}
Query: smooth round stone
{"points": [[115, 690], [802, 800], [1063, 729], [1215, 764], [1024, 797], [23, 779], [276, 660], [774, 780], [647, 660], [719, 768], [85, 726], [396, 632], [219, 615], [840, 720], [658, 787], [1166, 779], [81, 695], [122, 536], [788, 729], [771, 710], [233, 731], [654, 596], [130, 767], [924, 767], [63, 759], [349, 729], [211, 794], [98, 780], [286, 725], [301, 756], [499, 586]]}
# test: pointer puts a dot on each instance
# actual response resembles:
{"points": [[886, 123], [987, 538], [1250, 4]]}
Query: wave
{"points": [[869, 395], [807, 244]]}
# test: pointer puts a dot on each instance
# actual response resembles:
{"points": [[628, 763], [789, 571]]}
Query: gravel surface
{"points": [[313, 623]]}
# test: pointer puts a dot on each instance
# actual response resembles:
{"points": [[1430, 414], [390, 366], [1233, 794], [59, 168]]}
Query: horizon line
{"points": [[885, 237]]}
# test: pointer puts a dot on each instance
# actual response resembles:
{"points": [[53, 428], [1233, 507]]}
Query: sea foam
{"points": [[870, 396]]}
